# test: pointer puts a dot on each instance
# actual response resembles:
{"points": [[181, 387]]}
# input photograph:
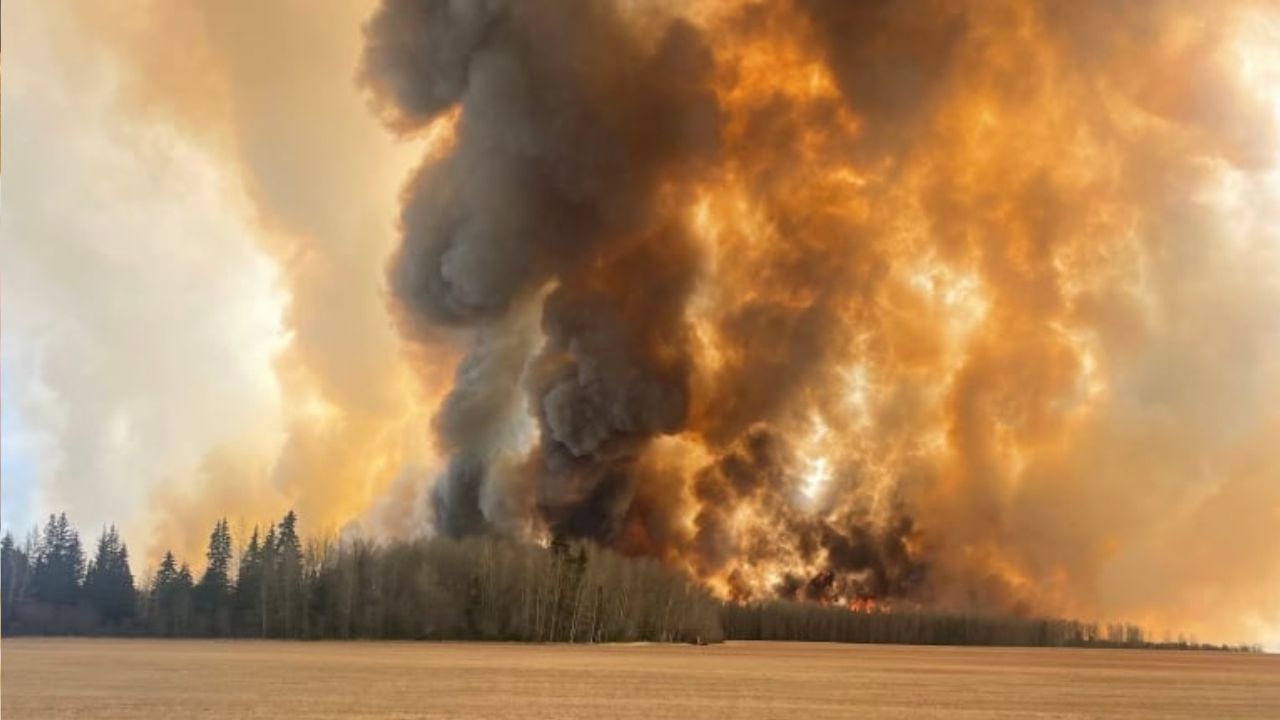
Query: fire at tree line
{"points": [[480, 588]]}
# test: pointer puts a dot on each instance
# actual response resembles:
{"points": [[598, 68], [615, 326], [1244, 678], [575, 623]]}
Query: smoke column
{"points": [[956, 304], [967, 304]]}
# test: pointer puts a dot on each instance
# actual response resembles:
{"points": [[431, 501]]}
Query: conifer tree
{"points": [[15, 577], [269, 588], [161, 605], [288, 574], [108, 584], [183, 600], [247, 593], [59, 564], [213, 594], [171, 597]]}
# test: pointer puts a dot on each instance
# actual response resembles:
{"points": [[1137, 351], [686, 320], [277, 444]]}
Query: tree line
{"points": [[432, 588], [799, 621], [480, 588]]}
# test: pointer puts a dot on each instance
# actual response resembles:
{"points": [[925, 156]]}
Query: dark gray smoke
{"points": [[572, 130], [800, 295]]}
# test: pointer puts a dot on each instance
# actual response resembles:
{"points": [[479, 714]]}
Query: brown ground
{"points": [[83, 678]]}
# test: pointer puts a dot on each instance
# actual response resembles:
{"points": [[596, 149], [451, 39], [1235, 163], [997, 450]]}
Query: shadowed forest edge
{"points": [[438, 588]]}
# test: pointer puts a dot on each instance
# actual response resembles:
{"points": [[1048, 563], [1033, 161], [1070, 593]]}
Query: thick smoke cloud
{"points": [[959, 304], [572, 137], [580, 143], [951, 303], [307, 177]]}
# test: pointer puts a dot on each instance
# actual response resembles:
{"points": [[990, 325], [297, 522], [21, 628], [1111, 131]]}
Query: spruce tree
{"points": [[288, 574], [15, 576], [108, 584], [59, 564], [248, 589], [213, 595], [182, 600], [269, 587], [164, 596]]}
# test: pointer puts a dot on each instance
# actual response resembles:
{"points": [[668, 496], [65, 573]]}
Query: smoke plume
{"points": [[961, 303]]}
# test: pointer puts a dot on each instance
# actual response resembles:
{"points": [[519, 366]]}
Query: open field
{"points": [[107, 678]]}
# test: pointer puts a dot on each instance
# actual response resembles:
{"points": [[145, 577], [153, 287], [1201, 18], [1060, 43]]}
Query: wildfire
{"points": [[869, 606], [887, 305]]}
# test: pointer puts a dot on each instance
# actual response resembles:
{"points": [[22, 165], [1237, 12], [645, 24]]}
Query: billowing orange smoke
{"points": [[962, 304], [973, 304], [970, 304], [267, 88]]}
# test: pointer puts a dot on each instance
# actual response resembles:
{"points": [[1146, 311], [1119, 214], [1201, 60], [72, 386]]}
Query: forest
{"points": [[278, 587], [437, 588]]}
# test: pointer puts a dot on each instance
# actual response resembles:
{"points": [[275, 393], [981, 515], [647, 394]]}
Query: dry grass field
{"points": [[91, 678]]}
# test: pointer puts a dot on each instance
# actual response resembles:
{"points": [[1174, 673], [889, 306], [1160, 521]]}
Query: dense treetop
{"points": [[439, 588]]}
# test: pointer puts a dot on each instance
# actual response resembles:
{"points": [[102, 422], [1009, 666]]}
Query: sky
{"points": [[192, 307], [200, 234], [140, 319]]}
